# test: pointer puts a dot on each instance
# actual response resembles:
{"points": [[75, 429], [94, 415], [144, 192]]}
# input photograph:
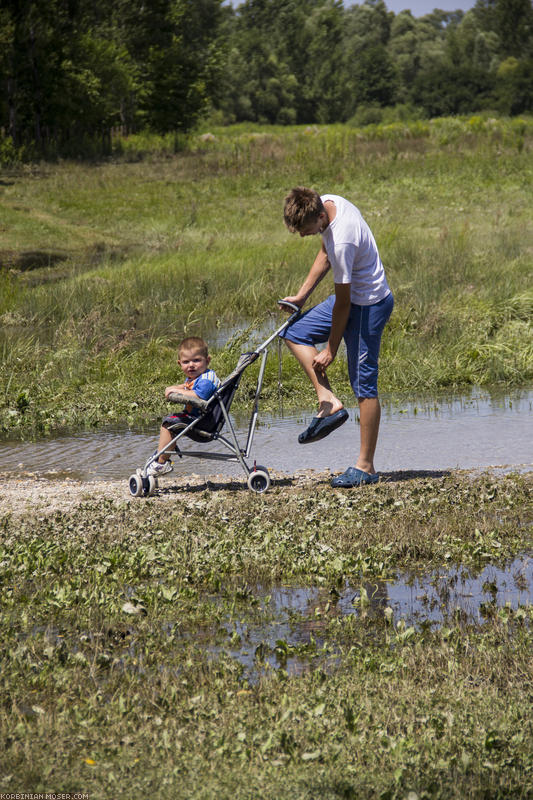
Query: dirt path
{"points": [[25, 492], [28, 493]]}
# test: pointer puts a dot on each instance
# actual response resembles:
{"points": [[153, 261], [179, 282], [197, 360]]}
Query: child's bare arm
{"points": [[180, 387], [176, 394], [187, 393]]}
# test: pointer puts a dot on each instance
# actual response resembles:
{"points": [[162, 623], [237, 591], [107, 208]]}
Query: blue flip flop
{"points": [[320, 427], [354, 477]]}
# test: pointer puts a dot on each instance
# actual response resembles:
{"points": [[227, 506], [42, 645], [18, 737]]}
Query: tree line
{"points": [[73, 70]]}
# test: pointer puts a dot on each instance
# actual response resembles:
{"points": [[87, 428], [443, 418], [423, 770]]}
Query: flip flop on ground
{"points": [[354, 477], [320, 427]]}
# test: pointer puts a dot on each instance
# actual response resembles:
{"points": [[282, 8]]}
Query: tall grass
{"points": [[150, 247]]}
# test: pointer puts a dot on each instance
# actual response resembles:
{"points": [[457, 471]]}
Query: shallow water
{"points": [[300, 614], [473, 431]]}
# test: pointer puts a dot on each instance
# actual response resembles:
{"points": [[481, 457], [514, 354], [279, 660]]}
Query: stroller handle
{"points": [[288, 304], [296, 311]]}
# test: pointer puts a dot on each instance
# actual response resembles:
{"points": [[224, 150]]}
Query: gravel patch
{"points": [[23, 493], [27, 492]]}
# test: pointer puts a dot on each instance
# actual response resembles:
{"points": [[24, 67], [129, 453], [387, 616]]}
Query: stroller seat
{"points": [[211, 422]]}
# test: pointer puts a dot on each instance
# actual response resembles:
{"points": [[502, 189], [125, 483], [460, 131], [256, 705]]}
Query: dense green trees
{"points": [[72, 70], [344, 61]]}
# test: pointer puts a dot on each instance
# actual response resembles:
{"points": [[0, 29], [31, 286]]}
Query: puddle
{"points": [[289, 627], [295, 639], [474, 431], [435, 599]]}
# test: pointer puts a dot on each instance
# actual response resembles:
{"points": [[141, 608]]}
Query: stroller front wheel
{"points": [[259, 480], [142, 487], [136, 485]]}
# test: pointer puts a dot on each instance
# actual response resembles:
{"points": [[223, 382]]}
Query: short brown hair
{"points": [[302, 207], [194, 343]]}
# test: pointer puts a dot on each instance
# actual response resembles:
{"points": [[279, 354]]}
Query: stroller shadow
{"points": [[229, 485], [235, 485]]}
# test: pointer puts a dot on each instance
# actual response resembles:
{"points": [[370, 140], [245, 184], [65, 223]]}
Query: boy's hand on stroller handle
{"points": [[288, 305]]}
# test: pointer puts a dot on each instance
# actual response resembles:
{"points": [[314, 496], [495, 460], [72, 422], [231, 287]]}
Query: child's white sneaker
{"points": [[157, 469]]}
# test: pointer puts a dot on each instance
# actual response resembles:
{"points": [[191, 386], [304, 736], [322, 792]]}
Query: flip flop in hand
{"points": [[320, 427]]}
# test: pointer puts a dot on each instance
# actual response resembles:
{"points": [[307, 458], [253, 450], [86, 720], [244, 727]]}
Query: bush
{"points": [[9, 154]]}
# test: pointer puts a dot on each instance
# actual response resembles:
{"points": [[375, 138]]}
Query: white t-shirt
{"points": [[353, 254]]}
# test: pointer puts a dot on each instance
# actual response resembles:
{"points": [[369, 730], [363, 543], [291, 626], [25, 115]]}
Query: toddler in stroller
{"points": [[207, 404], [200, 384]]}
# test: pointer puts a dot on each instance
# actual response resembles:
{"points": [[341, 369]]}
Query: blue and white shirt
{"points": [[205, 385]]}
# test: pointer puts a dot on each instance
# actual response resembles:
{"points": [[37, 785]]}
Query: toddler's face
{"points": [[193, 363]]}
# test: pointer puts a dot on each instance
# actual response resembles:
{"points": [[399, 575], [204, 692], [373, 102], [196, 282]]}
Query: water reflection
{"points": [[296, 638], [297, 629]]}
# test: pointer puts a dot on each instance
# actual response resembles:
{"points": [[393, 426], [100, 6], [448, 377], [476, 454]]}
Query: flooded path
{"points": [[467, 432]]}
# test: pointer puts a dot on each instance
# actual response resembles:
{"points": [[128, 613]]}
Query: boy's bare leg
{"points": [[165, 437], [369, 419], [328, 403]]}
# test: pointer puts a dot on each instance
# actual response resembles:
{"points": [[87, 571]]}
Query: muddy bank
{"points": [[24, 493]]}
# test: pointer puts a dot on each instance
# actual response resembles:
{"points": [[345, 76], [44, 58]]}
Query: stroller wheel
{"points": [[259, 480], [142, 487], [136, 485]]}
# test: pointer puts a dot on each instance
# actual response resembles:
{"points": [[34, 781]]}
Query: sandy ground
{"points": [[22, 493]]}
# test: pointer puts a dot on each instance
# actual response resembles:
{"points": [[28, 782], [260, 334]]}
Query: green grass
{"points": [[107, 266], [96, 698]]}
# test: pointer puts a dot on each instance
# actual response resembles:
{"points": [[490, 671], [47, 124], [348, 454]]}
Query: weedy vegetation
{"points": [[106, 266], [120, 622], [127, 667]]}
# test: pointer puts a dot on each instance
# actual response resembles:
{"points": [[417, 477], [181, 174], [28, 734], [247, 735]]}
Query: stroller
{"points": [[214, 414]]}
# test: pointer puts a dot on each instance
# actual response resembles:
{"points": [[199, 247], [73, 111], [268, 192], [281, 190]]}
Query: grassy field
{"points": [[121, 621], [106, 266]]}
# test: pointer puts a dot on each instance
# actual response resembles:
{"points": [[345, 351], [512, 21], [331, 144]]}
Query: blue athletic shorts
{"points": [[362, 337]]}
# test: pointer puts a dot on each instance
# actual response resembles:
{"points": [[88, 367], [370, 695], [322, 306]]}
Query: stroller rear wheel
{"points": [[259, 480]]}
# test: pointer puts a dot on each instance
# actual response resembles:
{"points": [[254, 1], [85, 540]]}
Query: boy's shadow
{"points": [[399, 476]]}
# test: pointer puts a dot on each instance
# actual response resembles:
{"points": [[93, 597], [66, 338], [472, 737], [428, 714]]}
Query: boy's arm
{"points": [[187, 393], [180, 387], [339, 320], [320, 266], [179, 394]]}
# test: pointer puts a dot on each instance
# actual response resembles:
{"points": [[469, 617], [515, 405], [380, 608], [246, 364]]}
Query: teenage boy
{"points": [[357, 312]]}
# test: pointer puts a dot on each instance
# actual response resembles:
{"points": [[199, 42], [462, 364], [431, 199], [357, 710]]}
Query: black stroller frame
{"points": [[214, 415]]}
